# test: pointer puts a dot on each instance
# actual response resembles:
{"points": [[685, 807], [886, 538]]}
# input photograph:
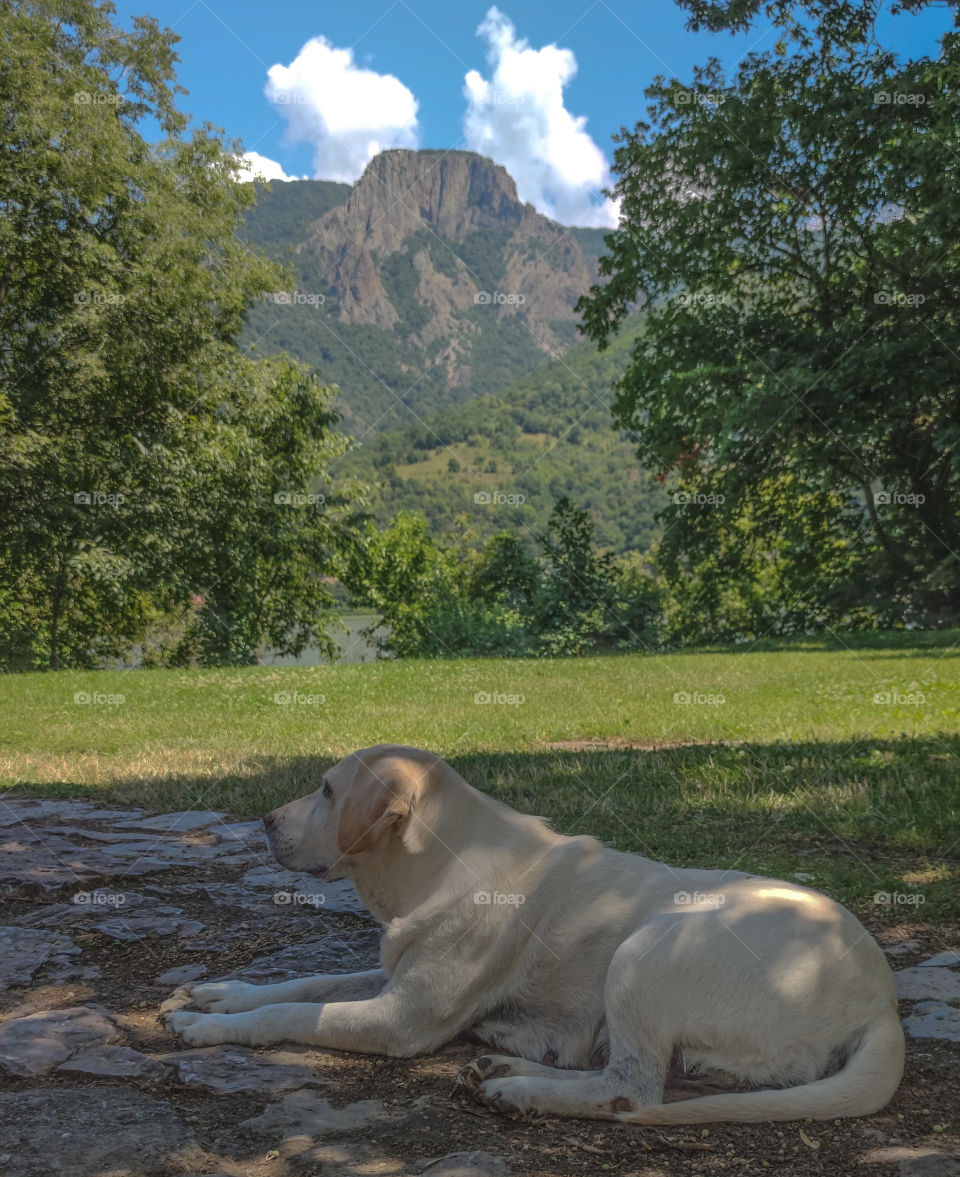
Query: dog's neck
{"points": [[393, 886], [436, 856]]}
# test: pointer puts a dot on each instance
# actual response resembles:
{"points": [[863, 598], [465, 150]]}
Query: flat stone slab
{"points": [[85, 1132], [915, 1162], [34, 861], [91, 835], [288, 888], [182, 974], [35, 1044], [52, 858], [30, 809], [58, 974], [903, 947], [247, 833], [928, 981], [122, 915], [144, 925], [227, 895], [466, 1164], [115, 1062], [238, 895], [933, 1019], [173, 823], [231, 1069], [931, 1164], [184, 853], [337, 952], [191, 849], [950, 958], [24, 951], [305, 1115], [48, 860], [98, 903]]}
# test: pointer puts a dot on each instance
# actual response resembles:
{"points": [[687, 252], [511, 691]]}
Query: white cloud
{"points": [[347, 114], [258, 165], [519, 120]]}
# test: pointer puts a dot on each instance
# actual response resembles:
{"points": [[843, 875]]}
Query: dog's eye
{"points": [[327, 791]]}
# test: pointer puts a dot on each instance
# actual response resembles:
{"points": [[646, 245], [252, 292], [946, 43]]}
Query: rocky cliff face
{"points": [[454, 193], [446, 232], [437, 282]]}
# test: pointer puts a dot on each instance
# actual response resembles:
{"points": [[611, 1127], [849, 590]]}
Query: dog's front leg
{"points": [[388, 1024], [233, 997]]}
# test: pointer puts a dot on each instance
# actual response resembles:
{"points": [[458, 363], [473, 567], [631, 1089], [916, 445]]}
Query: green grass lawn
{"points": [[836, 759]]}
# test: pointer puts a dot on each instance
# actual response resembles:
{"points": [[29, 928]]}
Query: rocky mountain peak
{"points": [[453, 192], [437, 281]]}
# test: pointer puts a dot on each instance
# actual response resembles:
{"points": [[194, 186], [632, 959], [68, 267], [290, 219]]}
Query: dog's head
{"points": [[364, 800]]}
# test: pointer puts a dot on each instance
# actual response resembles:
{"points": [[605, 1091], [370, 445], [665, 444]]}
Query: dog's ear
{"points": [[379, 797]]}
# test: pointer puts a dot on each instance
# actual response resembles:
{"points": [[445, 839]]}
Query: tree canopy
{"points": [[141, 452], [795, 233]]}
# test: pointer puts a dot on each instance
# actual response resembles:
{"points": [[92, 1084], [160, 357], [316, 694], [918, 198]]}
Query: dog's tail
{"points": [[865, 1084]]}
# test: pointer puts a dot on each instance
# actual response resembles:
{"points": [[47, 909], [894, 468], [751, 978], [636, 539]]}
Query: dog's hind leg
{"points": [[640, 1013], [627, 1082]]}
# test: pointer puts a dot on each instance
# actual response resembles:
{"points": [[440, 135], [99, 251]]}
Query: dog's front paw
{"points": [[225, 997], [205, 1029]]}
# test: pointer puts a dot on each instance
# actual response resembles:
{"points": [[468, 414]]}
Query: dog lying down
{"points": [[586, 968]]}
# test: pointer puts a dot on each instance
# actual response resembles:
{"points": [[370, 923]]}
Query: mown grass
{"points": [[797, 769]]}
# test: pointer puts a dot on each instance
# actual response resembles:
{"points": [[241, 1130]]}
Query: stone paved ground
{"points": [[110, 914]]}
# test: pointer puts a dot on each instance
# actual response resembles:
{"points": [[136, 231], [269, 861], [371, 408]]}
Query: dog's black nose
{"points": [[269, 820]]}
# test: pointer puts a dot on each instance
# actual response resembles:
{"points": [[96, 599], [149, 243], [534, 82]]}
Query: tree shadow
{"points": [[891, 642], [857, 818]]}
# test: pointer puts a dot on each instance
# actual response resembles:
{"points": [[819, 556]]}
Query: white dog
{"points": [[598, 965]]}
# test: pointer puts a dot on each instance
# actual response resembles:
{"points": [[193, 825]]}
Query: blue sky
{"points": [[383, 73]]}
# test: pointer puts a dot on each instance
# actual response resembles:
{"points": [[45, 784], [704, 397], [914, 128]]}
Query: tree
{"points": [[401, 572], [130, 425], [504, 572], [437, 600], [266, 524], [802, 19], [795, 234], [577, 585]]}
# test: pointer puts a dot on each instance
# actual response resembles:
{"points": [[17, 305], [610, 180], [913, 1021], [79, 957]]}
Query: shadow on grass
{"points": [[889, 641], [855, 819]]}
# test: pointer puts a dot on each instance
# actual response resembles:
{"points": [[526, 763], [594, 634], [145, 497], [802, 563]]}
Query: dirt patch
{"points": [[622, 744]]}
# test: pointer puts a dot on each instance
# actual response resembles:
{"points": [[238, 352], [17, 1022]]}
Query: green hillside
{"points": [[277, 223], [547, 435], [524, 426]]}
